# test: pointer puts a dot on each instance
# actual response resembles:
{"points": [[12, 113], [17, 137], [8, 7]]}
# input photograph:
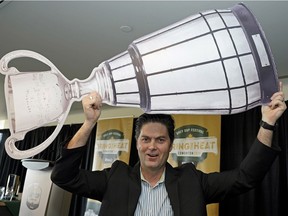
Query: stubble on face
{"points": [[153, 145]]}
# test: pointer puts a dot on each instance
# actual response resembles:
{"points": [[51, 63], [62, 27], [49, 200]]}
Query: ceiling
{"points": [[78, 35]]}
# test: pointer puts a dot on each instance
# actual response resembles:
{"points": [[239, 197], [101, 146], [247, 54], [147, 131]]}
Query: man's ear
{"points": [[137, 145]]}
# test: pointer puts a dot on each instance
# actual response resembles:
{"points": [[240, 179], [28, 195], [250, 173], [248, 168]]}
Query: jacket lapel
{"points": [[134, 189], [171, 184]]}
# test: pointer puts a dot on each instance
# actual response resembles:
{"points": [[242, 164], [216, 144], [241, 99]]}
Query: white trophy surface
{"points": [[214, 62]]}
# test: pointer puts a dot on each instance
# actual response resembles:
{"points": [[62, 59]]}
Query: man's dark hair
{"points": [[164, 119]]}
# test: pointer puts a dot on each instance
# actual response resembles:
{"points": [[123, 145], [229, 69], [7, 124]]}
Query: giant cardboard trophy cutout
{"points": [[214, 62]]}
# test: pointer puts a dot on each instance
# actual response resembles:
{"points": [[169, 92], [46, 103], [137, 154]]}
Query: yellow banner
{"points": [[197, 141], [113, 142]]}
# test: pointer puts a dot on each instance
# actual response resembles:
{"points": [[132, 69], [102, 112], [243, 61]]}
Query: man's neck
{"points": [[151, 176]]}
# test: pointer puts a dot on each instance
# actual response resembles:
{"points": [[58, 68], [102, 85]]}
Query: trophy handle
{"points": [[4, 61], [17, 135], [15, 153]]}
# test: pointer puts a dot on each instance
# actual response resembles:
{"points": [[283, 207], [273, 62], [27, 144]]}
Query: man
{"points": [[153, 186]]}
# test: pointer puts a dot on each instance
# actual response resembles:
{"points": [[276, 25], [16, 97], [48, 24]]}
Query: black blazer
{"points": [[189, 190]]}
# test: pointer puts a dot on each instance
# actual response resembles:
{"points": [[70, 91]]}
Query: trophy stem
{"points": [[99, 80]]}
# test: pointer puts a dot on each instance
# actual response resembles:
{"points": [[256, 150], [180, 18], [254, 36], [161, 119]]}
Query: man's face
{"points": [[153, 145]]}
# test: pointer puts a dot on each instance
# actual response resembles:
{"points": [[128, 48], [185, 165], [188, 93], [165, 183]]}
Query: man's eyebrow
{"points": [[143, 135], [157, 137]]}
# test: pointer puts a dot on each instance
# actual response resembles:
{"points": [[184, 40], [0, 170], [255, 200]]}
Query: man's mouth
{"points": [[152, 155]]}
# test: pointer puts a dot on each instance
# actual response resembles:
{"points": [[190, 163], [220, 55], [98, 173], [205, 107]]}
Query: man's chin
{"points": [[152, 165]]}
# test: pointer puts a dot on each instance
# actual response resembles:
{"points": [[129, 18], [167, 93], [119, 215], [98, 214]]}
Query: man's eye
{"points": [[145, 139]]}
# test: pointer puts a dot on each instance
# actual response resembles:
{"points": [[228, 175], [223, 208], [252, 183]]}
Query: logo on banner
{"points": [[192, 143], [111, 144]]}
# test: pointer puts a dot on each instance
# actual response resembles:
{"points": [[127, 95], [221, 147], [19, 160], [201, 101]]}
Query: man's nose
{"points": [[152, 144]]}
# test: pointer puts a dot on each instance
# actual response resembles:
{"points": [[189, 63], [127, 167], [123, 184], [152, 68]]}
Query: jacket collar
{"points": [[134, 189], [170, 183]]}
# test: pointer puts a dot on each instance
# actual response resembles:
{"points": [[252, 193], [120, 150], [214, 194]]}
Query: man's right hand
{"points": [[92, 104]]}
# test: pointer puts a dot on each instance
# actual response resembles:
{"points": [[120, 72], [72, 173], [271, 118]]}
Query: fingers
{"points": [[277, 104], [92, 101], [279, 96], [272, 112], [278, 101]]}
